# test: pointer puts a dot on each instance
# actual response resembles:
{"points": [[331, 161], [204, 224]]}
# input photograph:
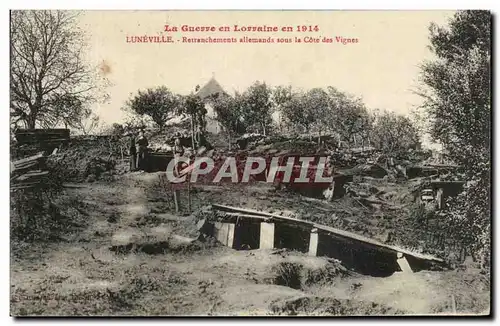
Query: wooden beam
{"points": [[266, 235], [403, 263], [313, 242]]}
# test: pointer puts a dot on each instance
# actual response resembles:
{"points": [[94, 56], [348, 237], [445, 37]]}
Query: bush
{"points": [[38, 216]]}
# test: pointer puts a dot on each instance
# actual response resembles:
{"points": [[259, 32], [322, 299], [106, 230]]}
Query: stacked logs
{"points": [[29, 172]]}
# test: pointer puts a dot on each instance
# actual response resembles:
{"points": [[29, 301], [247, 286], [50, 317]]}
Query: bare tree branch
{"points": [[47, 65]]}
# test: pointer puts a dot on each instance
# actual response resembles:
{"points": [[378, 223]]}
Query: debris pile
{"points": [[29, 141], [29, 172], [375, 196], [86, 159], [287, 146]]}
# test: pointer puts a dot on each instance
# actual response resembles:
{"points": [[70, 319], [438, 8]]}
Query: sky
{"points": [[382, 67]]}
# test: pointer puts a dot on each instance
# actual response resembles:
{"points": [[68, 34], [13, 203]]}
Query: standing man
{"points": [[132, 152], [202, 117], [178, 148], [199, 137], [142, 148], [178, 153]]}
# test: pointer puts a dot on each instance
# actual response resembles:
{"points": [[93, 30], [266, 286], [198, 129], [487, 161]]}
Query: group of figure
{"points": [[138, 149]]}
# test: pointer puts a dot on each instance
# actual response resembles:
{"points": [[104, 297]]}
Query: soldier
{"points": [[132, 152], [202, 121], [142, 147], [178, 148], [178, 153], [199, 137]]}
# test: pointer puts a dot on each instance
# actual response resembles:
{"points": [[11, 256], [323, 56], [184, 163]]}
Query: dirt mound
{"points": [[152, 241]]}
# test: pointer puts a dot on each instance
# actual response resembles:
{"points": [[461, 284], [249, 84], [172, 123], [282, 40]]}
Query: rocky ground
{"points": [[128, 255]]}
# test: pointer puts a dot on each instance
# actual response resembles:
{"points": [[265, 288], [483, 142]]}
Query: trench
{"points": [[290, 237], [359, 258], [356, 256]]}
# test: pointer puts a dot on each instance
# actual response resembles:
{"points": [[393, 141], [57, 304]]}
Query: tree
{"points": [[280, 96], [134, 121], [117, 129], [66, 109], [89, 125], [457, 102], [305, 110], [347, 115], [193, 106], [394, 133], [257, 106], [295, 114], [160, 104], [48, 70], [316, 102], [229, 114]]}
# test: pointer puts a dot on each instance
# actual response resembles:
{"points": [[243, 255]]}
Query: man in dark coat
{"points": [[132, 152], [142, 148]]}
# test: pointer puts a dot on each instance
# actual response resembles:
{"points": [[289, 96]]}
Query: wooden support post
{"points": [[313, 242], [453, 304], [439, 199], [224, 232], [192, 133], [266, 235], [175, 185], [403, 264], [189, 192], [176, 200]]}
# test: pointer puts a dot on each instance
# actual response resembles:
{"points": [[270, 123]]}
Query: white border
{"points": [[254, 4], [190, 5]]}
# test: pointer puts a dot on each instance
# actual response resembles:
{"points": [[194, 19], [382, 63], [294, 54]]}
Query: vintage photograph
{"points": [[250, 163]]}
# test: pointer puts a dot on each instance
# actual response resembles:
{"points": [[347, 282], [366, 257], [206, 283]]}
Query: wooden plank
{"points": [[232, 216], [443, 182], [224, 232], [32, 175], [313, 242], [40, 130], [18, 170], [261, 214], [27, 185], [28, 159], [266, 235], [375, 243], [42, 140], [403, 264], [26, 165]]}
